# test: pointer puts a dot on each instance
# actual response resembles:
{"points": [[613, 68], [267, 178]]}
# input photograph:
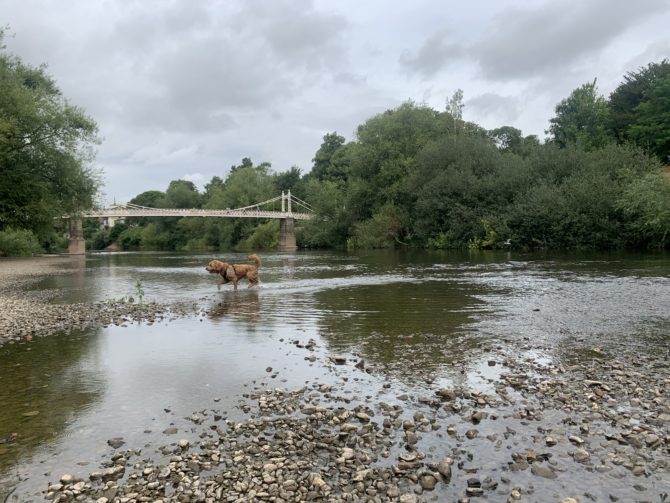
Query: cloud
{"points": [[525, 43], [193, 87], [554, 36], [492, 107], [434, 55]]}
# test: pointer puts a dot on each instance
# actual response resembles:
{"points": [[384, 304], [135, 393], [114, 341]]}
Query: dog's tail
{"points": [[255, 259]]}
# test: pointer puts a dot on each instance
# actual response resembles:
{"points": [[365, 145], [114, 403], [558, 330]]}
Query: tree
{"points": [[651, 129], [182, 194], [455, 105], [150, 199], [581, 119], [322, 169], [626, 98], [45, 150], [287, 180]]}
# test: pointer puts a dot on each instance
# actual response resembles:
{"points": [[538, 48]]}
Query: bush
{"points": [[264, 236], [15, 243]]}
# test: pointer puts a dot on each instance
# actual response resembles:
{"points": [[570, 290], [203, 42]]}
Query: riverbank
{"points": [[26, 313], [595, 430]]}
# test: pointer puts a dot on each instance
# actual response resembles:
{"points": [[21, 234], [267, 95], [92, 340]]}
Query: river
{"points": [[417, 318]]}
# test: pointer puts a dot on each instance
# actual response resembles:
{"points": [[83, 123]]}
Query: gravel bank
{"points": [[594, 430], [27, 314]]}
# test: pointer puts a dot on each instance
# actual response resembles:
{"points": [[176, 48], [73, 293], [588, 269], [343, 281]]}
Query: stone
{"points": [[542, 471]]}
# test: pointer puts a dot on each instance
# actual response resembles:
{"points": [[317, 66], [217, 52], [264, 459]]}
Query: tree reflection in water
{"points": [[44, 386]]}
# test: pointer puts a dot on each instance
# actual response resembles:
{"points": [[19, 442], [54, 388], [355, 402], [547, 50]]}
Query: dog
{"points": [[235, 272]]}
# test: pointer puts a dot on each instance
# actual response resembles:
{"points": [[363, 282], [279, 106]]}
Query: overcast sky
{"points": [[185, 89]]}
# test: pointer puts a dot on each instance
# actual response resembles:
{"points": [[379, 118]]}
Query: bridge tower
{"points": [[77, 245], [287, 241]]}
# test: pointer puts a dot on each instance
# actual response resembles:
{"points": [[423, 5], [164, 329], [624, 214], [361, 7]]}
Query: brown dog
{"points": [[235, 272]]}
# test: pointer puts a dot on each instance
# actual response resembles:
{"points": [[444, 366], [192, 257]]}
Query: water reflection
{"points": [[243, 305], [43, 391], [406, 328]]}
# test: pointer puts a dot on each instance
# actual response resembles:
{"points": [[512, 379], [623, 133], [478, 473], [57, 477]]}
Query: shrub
{"points": [[18, 243]]}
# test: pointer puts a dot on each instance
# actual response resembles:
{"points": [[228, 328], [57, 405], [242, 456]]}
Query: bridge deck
{"points": [[188, 212]]}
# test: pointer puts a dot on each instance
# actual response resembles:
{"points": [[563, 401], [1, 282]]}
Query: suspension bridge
{"points": [[286, 208]]}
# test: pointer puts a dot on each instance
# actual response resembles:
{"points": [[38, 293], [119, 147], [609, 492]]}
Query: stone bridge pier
{"points": [[287, 235], [77, 245]]}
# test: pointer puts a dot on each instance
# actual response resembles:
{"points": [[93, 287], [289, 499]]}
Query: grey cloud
{"points": [[300, 35], [433, 56], [350, 79], [504, 109], [524, 44]]}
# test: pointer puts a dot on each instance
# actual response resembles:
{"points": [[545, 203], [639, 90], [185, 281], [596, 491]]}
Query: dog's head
{"points": [[216, 267]]}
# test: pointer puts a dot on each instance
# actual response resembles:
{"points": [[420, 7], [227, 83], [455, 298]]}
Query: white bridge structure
{"points": [[280, 207]]}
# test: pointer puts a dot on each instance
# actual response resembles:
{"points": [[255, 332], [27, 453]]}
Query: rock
{"points": [[338, 359], [581, 456], [427, 482], [542, 471], [67, 479], [183, 443], [444, 468], [170, 431], [116, 442]]}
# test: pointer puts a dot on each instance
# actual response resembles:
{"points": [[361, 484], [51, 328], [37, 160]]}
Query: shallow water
{"points": [[418, 318]]}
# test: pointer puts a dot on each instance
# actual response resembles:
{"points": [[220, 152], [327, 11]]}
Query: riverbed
{"points": [[542, 377]]}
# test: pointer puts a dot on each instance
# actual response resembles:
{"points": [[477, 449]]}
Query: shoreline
{"points": [[25, 314]]}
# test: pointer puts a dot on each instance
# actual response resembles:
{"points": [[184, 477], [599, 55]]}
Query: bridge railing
{"points": [[286, 200], [192, 212]]}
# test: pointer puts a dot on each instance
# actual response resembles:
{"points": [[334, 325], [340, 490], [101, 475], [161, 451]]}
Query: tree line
{"points": [[415, 176], [412, 176], [46, 149]]}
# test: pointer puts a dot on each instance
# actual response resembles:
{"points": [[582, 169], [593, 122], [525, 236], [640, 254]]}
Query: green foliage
{"points": [[581, 119], [383, 230], [150, 199], [637, 87], [326, 166], [264, 236], [45, 150], [20, 242], [646, 204], [130, 239], [329, 228], [139, 289], [651, 130], [414, 176]]}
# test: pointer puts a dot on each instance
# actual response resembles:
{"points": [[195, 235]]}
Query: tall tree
{"points": [[322, 169], [581, 119], [626, 98], [45, 149], [650, 126]]}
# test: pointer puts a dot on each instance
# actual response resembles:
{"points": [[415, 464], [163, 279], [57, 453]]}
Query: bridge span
{"points": [[266, 209]]}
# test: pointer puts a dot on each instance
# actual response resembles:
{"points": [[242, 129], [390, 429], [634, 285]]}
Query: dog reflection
{"points": [[243, 305]]}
